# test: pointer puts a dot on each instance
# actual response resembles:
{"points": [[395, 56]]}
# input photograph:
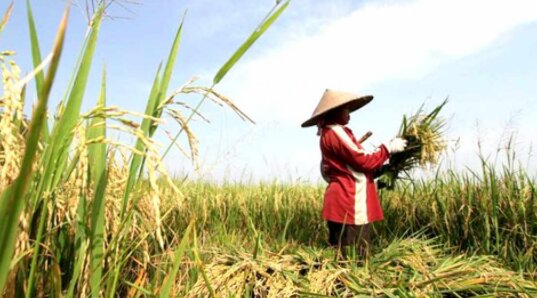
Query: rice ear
{"points": [[6, 17], [426, 142]]}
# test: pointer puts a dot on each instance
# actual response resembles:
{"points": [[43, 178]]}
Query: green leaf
{"points": [[80, 244], [62, 134], [14, 198], [97, 129], [36, 59], [265, 24], [55, 155], [98, 173], [167, 75], [179, 252], [248, 43], [34, 43], [136, 160], [156, 97]]}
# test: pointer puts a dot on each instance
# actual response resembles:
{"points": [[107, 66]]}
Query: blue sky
{"points": [[479, 53]]}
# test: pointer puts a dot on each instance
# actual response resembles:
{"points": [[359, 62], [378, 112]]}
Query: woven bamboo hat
{"points": [[334, 99]]}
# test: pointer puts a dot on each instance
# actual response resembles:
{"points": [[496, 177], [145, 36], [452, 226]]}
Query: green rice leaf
{"points": [[97, 129], [248, 43], [146, 124], [157, 95], [168, 70], [55, 155], [265, 24], [81, 246], [179, 252], [14, 198], [36, 59], [63, 130], [97, 154]]}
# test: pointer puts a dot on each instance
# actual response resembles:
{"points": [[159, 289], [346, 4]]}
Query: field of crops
{"points": [[82, 214], [456, 219]]}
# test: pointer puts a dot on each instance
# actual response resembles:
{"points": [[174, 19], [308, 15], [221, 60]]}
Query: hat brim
{"points": [[353, 105]]}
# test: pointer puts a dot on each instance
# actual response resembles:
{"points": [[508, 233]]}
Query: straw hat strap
{"points": [[320, 125]]}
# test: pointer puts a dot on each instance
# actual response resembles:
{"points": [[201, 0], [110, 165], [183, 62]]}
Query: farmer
{"points": [[351, 202]]}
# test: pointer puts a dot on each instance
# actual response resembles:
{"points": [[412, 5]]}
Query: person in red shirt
{"points": [[351, 202]]}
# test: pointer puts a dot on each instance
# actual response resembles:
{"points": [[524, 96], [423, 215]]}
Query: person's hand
{"points": [[396, 145]]}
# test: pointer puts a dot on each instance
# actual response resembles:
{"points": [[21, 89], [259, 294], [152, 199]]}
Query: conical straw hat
{"points": [[333, 99]]}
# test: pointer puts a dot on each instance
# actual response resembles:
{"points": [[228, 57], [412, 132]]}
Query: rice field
{"points": [[82, 214]]}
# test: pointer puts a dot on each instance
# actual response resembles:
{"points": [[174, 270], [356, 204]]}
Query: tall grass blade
{"points": [[14, 198], [157, 95], [97, 129], [135, 165], [179, 252], [199, 264], [146, 123], [97, 154], [168, 69], [34, 43], [62, 131], [55, 155], [495, 208], [81, 250], [248, 43], [151, 107], [164, 83], [36, 59], [265, 24], [6, 17]]}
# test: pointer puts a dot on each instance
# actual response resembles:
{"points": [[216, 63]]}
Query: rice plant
{"points": [[412, 267], [425, 136], [252, 238], [80, 213]]}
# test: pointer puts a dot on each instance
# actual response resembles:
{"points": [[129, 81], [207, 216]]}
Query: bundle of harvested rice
{"points": [[426, 141], [410, 267], [244, 276]]}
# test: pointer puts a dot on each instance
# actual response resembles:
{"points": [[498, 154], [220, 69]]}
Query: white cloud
{"points": [[369, 45], [279, 86]]}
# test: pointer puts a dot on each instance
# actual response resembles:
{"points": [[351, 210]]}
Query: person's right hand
{"points": [[396, 145]]}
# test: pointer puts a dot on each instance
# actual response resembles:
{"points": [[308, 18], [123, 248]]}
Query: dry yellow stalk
{"points": [[11, 139], [192, 140]]}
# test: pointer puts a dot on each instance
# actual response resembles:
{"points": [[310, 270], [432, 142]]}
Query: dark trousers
{"points": [[348, 237]]}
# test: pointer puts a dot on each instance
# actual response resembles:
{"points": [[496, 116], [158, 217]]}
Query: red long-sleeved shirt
{"points": [[351, 196]]}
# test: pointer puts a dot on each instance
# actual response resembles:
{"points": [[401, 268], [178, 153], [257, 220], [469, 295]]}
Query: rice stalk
{"points": [[181, 150], [192, 140], [156, 96], [411, 265], [37, 62], [11, 140], [14, 197], [217, 98], [271, 17], [6, 16], [425, 136], [56, 155], [98, 171]]}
